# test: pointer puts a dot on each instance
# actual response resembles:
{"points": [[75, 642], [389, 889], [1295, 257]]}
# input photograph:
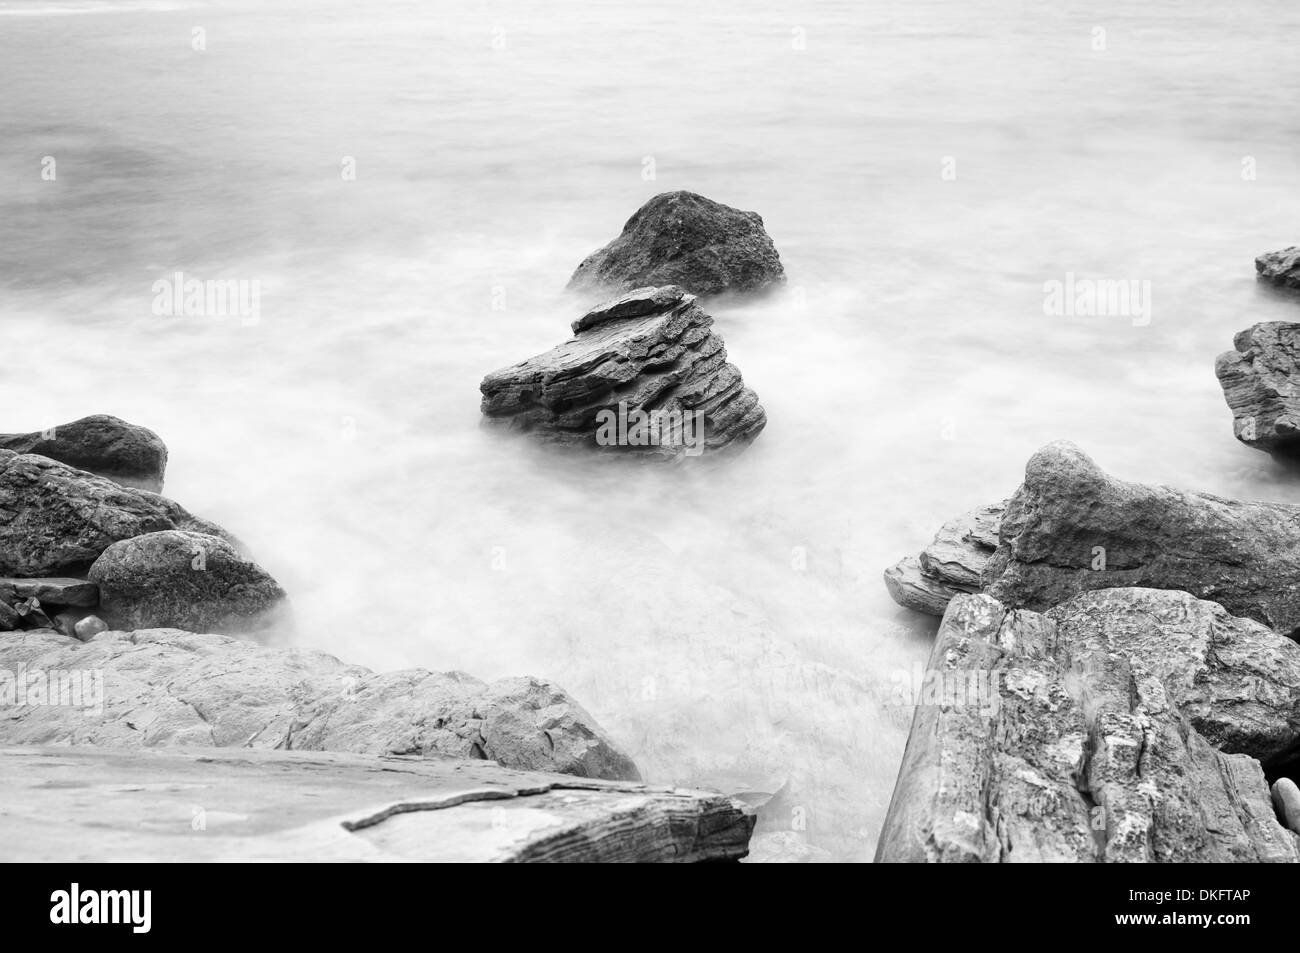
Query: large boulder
{"points": [[1261, 383], [320, 806], [1280, 267], [56, 520], [184, 580], [1121, 726], [644, 374], [1071, 528], [165, 687], [106, 446], [681, 238]]}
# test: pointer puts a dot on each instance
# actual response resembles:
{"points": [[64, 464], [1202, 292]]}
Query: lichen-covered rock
{"points": [[952, 563], [106, 446], [1261, 383], [55, 520], [1089, 734], [644, 374], [165, 687], [185, 580], [680, 238], [1280, 267]]}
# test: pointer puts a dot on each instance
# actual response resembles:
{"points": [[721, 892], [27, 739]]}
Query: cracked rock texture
{"points": [[1261, 383], [1280, 267], [165, 687], [220, 805], [106, 446], [651, 350], [952, 563], [682, 238], [1122, 726]]}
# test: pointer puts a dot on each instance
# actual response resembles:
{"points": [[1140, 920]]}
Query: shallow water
{"points": [[729, 628]]}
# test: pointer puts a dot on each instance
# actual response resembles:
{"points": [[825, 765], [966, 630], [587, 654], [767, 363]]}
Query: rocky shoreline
{"points": [[1116, 676]]}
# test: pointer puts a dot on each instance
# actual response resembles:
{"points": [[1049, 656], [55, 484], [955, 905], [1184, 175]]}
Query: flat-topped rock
{"points": [[54, 590], [165, 687], [681, 238], [106, 446], [1280, 267], [1261, 384], [258, 805], [644, 374]]}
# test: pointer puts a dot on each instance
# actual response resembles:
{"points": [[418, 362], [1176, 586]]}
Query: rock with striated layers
{"points": [[952, 563], [1280, 267], [165, 687], [681, 238], [55, 520], [185, 580], [322, 806], [1261, 383], [1122, 726], [644, 374], [106, 446]]}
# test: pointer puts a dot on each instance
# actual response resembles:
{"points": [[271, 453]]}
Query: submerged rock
{"points": [[184, 580], [1280, 267], [164, 687], [1261, 383], [644, 374], [106, 446], [1089, 734], [681, 238]]}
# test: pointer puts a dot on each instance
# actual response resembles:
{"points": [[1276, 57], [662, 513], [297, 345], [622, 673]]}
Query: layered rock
{"points": [[681, 238], [1089, 734], [1261, 383], [184, 580], [106, 446], [644, 374], [297, 806], [952, 563], [164, 687], [1280, 267]]}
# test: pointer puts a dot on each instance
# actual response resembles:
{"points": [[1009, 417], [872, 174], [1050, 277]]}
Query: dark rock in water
{"points": [[1261, 383], [1280, 267], [164, 687], [56, 520], [103, 445], [952, 563], [680, 238], [179, 579], [1089, 734], [51, 590], [645, 374], [1071, 528]]}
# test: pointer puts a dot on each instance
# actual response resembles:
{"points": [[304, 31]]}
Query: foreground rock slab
{"points": [[1280, 267], [106, 446], [164, 687], [681, 238], [1261, 383], [644, 374], [1122, 726], [103, 805]]}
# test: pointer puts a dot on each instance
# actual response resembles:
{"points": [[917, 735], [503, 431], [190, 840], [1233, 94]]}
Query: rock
{"points": [[164, 687], [9, 618], [66, 621], [1280, 267], [1286, 798], [317, 806], [103, 445], [56, 520], [1261, 383], [180, 579], [680, 238], [1085, 735], [89, 627], [31, 615], [952, 563], [648, 355], [51, 590]]}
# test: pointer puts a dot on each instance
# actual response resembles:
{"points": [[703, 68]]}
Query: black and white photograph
{"points": [[785, 432]]}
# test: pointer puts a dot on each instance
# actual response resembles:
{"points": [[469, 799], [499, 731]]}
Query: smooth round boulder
{"points": [[126, 453], [185, 580]]}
